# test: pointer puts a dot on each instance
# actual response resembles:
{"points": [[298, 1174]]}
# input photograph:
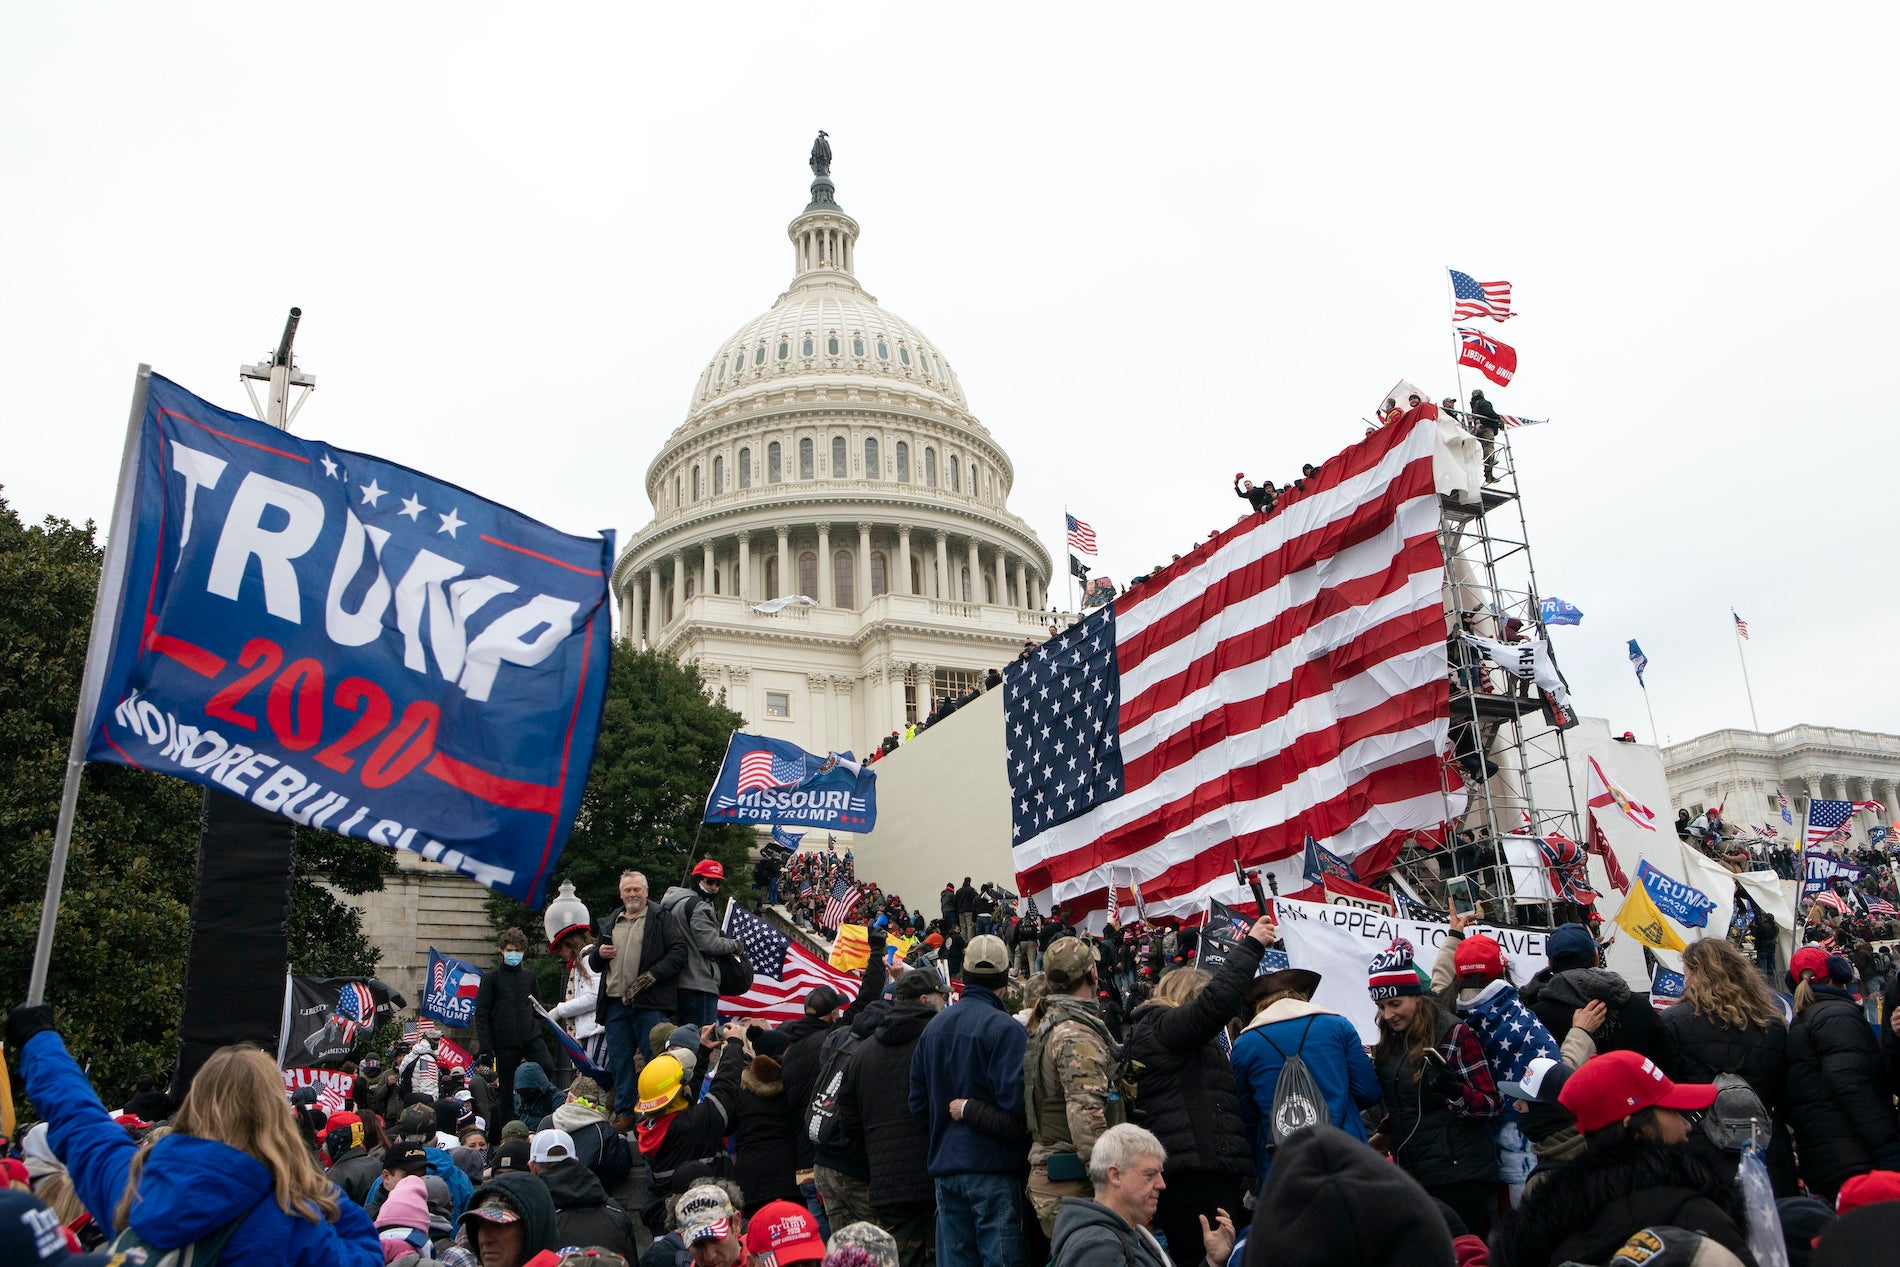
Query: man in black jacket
{"points": [[1485, 424], [966, 909], [505, 1023], [1574, 980], [638, 953], [583, 1214], [874, 1113]]}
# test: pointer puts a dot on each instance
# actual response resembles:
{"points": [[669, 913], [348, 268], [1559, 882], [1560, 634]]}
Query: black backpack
{"points": [[613, 1159], [136, 1251], [821, 1115], [1297, 1100]]}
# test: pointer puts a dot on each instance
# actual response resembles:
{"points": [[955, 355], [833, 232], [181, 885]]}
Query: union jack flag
{"points": [[764, 769], [1472, 298], [1478, 337], [844, 896]]}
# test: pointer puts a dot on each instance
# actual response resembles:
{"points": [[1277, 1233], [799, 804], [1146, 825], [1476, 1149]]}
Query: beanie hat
{"points": [[1393, 975], [1571, 946], [406, 1206], [1331, 1200], [1479, 955], [1803, 1219]]}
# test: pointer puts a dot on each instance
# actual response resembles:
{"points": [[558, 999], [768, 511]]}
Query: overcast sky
{"points": [[1159, 245]]}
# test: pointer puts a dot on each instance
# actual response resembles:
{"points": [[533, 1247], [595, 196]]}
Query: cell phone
{"points": [[1458, 892]]}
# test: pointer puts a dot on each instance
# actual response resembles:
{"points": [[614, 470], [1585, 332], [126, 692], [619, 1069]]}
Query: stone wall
{"points": [[424, 905]]}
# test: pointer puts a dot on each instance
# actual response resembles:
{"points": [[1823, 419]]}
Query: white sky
{"points": [[1159, 244]]}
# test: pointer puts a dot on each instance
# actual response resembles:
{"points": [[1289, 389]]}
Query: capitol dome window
{"points": [[695, 482], [964, 572], [745, 468], [871, 468], [808, 574], [758, 357], [956, 484], [883, 351], [903, 462], [738, 363], [721, 377], [879, 583], [806, 347], [831, 346], [784, 349], [771, 576], [692, 586], [903, 354], [839, 463], [719, 475], [678, 497], [930, 467], [843, 583], [807, 467], [774, 470], [857, 347]]}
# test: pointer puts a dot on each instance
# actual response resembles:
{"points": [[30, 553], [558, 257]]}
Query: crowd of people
{"points": [[1023, 1092]]}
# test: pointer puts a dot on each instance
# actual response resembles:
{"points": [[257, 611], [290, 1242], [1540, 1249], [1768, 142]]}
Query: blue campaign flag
{"points": [[1684, 903], [1555, 611], [575, 1052], [351, 644], [786, 840], [770, 781], [1321, 862], [448, 995], [1876, 835], [1666, 988], [1639, 662]]}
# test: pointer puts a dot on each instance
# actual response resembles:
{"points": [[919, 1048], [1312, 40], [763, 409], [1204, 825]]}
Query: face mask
{"points": [[512, 958]]}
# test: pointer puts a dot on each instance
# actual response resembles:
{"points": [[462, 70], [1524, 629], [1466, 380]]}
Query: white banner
{"points": [[1338, 942]]}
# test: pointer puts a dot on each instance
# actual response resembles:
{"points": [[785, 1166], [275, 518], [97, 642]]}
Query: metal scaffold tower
{"points": [[1508, 781]]}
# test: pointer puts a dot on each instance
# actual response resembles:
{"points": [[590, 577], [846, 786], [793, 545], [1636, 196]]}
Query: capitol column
{"points": [[824, 594], [903, 560], [1022, 585], [818, 686], [653, 604], [785, 578], [744, 586], [706, 569], [943, 564], [679, 584], [629, 608], [861, 589], [1002, 578], [976, 574]]}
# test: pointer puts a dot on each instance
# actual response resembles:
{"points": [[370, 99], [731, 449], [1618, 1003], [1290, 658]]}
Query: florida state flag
{"points": [[1496, 361]]}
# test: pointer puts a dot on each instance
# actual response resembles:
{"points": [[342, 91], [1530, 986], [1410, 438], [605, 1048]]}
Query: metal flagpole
{"points": [[1653, 737], [104, 633], [1756, 722], [1457, 346], [1067, 559]]}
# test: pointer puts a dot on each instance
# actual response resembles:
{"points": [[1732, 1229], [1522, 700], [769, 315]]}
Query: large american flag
{"points": [[764, 769], [844, 896], [1826, 819], [1081, 536], [1479, 299], [783, 972], [1288, 677]]}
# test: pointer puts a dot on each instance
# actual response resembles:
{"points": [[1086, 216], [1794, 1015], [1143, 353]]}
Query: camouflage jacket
{"points": [[1069, 1069]]}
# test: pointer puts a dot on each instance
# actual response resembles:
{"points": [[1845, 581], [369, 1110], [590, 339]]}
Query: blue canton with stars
{"points": [[1060, 710]]}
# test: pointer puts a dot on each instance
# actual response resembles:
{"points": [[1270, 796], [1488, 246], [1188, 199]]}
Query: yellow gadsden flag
{"points": [[1641, 920], [852, 949]]}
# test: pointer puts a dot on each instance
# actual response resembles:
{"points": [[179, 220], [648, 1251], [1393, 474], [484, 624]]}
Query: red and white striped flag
{"points": [[783, 972], [1287, 677], [1081, 536], [1832, 900]]}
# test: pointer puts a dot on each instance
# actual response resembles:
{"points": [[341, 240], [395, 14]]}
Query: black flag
{"points": [[1076, 568], [326, 1018]]}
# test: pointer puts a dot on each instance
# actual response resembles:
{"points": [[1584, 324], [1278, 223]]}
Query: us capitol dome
{"points": [[832, 543]]}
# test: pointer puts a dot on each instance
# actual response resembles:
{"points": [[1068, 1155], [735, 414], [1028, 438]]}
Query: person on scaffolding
{"points": [[1486, 425]]}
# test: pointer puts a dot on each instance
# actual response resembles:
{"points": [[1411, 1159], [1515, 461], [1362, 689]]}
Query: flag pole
{"points": [[1654, 738], [1067, 557], [1457, 348], [1742, 656], [105, 625]]}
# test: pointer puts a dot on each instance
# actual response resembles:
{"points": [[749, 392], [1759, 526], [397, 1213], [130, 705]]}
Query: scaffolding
{"points": [[1508, 781]]}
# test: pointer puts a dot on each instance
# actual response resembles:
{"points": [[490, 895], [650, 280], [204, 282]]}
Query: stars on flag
{"points": [[1473, 298], [1741, 626], [412, 508], [450, 522], [372, 494], [1081, 536]]}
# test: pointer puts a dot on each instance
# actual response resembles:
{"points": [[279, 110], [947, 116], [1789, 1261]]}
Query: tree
{"points": [[117, 977], [661, 742]]}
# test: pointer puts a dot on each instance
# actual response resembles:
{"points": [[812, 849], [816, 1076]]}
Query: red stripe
{"points": [[126, 756], [193, 657], [536, 554], [494, 788], [225, 435]]}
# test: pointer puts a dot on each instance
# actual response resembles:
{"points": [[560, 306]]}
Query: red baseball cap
{"points": [[1875, 1185], [1479, 955], [710, 868], [1611, 1087], [785, 1231]]}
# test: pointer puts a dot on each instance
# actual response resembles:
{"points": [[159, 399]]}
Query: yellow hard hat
{"points": [[659, 1084]]}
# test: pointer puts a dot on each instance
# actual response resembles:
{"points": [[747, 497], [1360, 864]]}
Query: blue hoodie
{"points": [[191, 1187], [1333, 1054]]}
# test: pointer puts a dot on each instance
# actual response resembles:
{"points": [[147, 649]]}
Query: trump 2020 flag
{"points": [[770, 781], [1555, 611], [449, 993], [352, 644]]}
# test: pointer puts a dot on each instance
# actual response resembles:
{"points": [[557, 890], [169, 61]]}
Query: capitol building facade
{"points": [[832, 544]]}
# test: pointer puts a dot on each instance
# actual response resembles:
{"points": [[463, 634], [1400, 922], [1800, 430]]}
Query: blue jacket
{"points": [[973, 1050], [190, 1188], [1332, 1053], [443, 1167]]}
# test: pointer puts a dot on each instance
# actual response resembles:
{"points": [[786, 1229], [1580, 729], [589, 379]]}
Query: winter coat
{"points": [[1838, 1107], [190, 1188], [527, 1196], [697, 1132], [966, 900], [1630, 1026], [699, 926], [535, 1096], [582, 1213], [805, 1038], [582, 1005], [354, 1171], [1585, 1208], [1089, 1234], [1435, 1145], [1184, 1083], [504, 1016], [873, 1108], [1332, 1053], [847, 1158], [662, 952], [972, 1050], [588, 1128], [1696, 1048], [443, 1167], [764, 1129], [947, 903]]}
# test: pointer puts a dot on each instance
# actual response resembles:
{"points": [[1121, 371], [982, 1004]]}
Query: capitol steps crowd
{"points": [[1085, 1101]]}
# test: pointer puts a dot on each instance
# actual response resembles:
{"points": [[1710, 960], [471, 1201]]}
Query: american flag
{"points": [[1510, 1032], [1288, 677], [1479, 299], [1881, 908], [355, 1010], [1769, 832], [1081, 536], [1512, 420], [1875, 806], [844, 896], [783, 973], [1832, 900], [1827, 819], [330, 1099], [764, 769], [1787, 814], [1741, 626]]}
